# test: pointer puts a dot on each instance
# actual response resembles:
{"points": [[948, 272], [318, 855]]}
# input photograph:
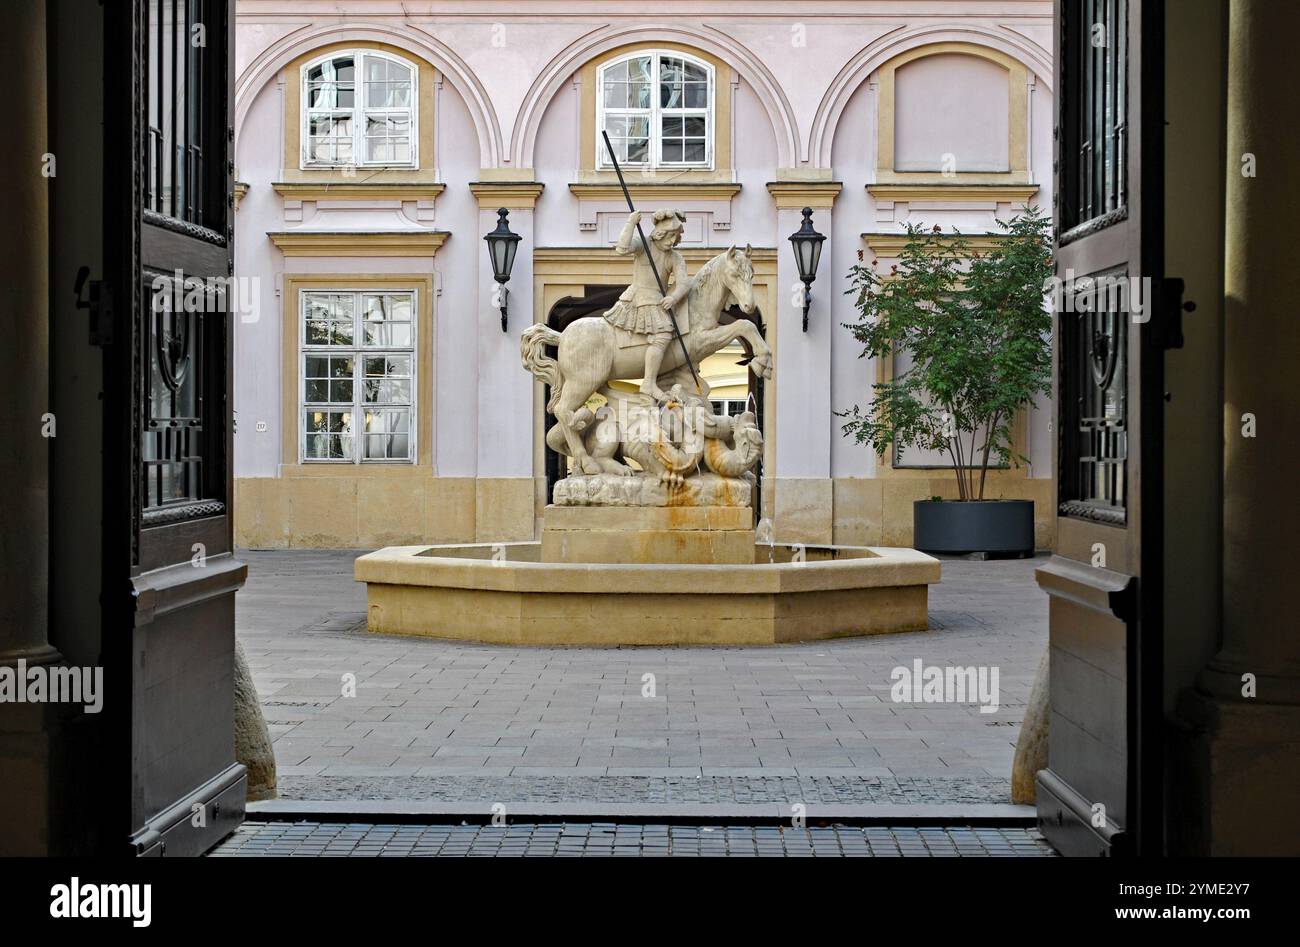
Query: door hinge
{"points": [[99, 303], [1167, 329]]}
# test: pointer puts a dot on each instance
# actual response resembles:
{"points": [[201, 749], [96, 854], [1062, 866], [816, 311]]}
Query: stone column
{"points": [[1246, 707], [26, 740], [802, 494], [505, 506]]}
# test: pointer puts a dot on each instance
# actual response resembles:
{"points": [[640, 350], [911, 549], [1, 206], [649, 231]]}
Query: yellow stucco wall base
{"points": [[312, 508]]}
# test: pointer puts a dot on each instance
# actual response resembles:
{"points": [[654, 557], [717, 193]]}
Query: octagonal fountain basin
{"points": [[503, 593]]}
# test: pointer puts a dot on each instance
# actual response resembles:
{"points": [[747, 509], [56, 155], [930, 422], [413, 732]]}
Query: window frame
{"points": [[358, 352], [656, 112], [359, 111]]}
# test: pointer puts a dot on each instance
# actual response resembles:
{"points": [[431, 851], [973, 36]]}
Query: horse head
{"points": [[738, 277]]}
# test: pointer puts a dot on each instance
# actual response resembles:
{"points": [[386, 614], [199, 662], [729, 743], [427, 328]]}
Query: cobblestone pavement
{"points": [[843, 789], [595, 839], [445, 720]]}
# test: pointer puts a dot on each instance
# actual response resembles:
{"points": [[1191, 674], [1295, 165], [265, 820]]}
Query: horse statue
{"points": [[592, 352]]}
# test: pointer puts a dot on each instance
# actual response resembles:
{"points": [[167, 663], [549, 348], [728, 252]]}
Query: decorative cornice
{"points": [[658, 191], [186, 227], [891, 244], [554, 261], [187, 511], [819, 195], [996, 193], [241, 188], [508, 194], [359, 242], [358, 190]]}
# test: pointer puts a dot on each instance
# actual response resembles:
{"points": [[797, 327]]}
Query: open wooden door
{"points": [[1102, 792], [169, 574]]}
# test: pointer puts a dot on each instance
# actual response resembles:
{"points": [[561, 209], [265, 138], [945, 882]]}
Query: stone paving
{"points": [[317, 839], [434, 719]]}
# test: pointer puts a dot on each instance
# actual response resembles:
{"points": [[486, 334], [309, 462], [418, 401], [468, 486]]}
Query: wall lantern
{"points": [[502, 245], [807, 254]]}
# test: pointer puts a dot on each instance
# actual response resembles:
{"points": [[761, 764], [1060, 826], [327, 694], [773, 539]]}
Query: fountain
{"points": [[650, 540]]}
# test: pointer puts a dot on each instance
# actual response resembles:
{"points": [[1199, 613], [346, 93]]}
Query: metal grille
{"points": [[1094, 465], [177, 37], [172, 442], [1093, 181]]}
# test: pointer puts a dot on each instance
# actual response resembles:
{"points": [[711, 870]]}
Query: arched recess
{"points": [[785, 127], [975, 40], [410, 39]]}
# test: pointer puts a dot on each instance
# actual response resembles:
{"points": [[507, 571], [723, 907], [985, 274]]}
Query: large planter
{"points": [[1004, 527]]}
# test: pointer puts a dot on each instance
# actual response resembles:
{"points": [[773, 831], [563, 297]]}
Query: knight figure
{"points": [[642, 309]]}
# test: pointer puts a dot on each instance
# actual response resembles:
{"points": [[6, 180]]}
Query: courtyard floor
{"points": [[438, 721], [314, 839]]}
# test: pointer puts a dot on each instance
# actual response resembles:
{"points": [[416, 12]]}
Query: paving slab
{"points": [[492, 720]]}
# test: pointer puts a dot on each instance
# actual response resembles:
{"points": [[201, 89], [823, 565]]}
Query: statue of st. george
{"points": [[633, 339]]}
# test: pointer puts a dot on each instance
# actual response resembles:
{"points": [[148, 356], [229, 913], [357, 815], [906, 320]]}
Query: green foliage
{"points": [[979, 337]]}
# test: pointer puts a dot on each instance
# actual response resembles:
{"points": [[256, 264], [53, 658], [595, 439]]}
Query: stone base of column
{"points": [[31, 759], [1233, 789]]}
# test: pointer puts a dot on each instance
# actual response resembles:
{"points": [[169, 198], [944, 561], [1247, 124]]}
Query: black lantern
{"points": [[807, 254], [502, 245]]}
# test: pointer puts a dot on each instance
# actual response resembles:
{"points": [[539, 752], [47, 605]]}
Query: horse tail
{"points": [[532, 348]]}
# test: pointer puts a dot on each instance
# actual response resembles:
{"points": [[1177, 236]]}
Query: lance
{"points": [[649, 256]]}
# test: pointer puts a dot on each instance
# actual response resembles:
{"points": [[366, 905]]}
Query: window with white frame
{"points": [[359, 108], [658, 110], [358, 376], [730, 407]]}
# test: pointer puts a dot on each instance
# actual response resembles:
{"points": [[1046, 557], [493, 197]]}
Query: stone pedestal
{"points": [[613, 490], [621, 535]]}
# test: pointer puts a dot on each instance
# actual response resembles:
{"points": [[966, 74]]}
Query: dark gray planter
{"points": [[1003, 527]]}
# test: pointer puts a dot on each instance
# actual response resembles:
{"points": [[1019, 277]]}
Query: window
{"points": [[358, 377], [730, 407], [1094, 398], [658, 110], [1094, 178], [182, 340], [182, 95], [359, 109]]}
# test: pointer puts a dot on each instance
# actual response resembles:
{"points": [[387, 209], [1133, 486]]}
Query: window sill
{"points": [[953, 190], [651, 189], [349, 469], [359, 174], [890, 245], [939, 178], [633, 175], [358, 242]]}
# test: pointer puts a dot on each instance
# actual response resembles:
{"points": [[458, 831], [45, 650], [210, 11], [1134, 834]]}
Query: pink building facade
{"points": [[378, 400]]}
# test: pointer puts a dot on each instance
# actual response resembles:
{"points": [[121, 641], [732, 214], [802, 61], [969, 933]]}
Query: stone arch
{"points": [[523, 137], [407, 38], [886, 48]]}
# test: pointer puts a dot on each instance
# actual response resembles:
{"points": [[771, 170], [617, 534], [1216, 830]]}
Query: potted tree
{"points": [[978, 338]]}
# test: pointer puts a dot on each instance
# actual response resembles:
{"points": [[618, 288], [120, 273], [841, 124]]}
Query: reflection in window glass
{"points": [[373, 125], [667, 127], [358, 375]]}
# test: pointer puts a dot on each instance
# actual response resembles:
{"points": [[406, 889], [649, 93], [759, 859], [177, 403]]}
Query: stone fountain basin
{"points": [[501, 593]]}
